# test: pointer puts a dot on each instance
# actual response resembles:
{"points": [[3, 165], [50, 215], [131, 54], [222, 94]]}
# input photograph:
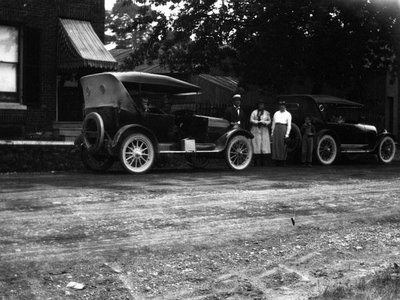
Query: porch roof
{"points": [[80, 47]]}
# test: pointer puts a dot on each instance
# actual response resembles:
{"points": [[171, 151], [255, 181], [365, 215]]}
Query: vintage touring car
{"points": [[117, 125], [340, 128]]}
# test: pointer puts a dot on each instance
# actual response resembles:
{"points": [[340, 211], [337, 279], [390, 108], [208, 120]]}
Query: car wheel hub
{"points": [[137, 153], [386, 150], [238, 154]]}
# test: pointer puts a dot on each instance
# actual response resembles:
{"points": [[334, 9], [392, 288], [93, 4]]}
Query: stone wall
{"points": [[39, 158]]}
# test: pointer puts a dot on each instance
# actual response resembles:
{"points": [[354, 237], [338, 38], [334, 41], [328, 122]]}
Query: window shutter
{"points": [[31, 66]]}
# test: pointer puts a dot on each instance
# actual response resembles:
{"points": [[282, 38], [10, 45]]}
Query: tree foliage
{"points": [[129, 23], [268, 42]]}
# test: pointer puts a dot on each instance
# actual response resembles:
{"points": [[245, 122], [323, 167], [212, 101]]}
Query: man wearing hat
{"points": [[281, 126], [259, 120], [234, 114]]}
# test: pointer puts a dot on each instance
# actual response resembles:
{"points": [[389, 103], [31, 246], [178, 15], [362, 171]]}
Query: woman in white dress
{"points": [[259, 120]]}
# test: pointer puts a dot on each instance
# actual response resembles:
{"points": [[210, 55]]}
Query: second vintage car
{"points": [[340, 128], [119, 125]]}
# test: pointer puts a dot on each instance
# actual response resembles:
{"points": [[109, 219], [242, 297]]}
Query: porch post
{"points": [[57, 88], [396, 108]]}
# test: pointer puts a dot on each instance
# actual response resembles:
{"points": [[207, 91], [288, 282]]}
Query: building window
{"points": [[9, 63]]}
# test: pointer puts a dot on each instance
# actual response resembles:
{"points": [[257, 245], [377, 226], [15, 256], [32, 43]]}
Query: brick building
{"points": [[45, 47]]}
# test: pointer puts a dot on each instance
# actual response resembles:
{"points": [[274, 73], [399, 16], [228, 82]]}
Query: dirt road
{"points": [[214, 234]]}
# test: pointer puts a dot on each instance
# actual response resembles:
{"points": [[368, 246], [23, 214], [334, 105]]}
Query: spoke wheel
{"points": [[137, 153], [238, 153], [96, 162], [386, 150], [326, 150]]}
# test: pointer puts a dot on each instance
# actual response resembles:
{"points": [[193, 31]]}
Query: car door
{"points": [[162, 125], [344, 120], [351, 136]]}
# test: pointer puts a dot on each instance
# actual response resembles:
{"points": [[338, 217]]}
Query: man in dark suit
{"points": [[234, 114]]}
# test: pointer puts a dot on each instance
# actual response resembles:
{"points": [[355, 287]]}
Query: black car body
{"points": [[117, 126], [340, 128]]}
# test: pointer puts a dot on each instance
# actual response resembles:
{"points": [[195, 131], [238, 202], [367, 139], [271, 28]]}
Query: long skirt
{"points": [[279, 149], [261, 142]]}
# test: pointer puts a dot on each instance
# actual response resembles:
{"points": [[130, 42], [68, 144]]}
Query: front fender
{"points": [[381, 136], [133, 128], [223, 140], [330, 132]]}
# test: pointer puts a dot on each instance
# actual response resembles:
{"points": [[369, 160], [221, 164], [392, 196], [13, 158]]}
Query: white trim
{"points": [[12, 105], [36, 143]]}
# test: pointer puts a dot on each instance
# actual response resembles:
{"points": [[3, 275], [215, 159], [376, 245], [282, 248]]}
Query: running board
{"points": [[355, 151], [188, 152], [171, 148], [355, 148]]}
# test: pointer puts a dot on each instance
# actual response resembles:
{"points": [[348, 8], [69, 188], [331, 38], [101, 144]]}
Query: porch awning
{"points": [[80, 47]]}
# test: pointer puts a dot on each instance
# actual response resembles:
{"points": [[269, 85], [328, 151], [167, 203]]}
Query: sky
{"points": [[109, 4]]}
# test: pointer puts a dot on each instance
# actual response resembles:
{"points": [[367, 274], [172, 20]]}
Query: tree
{"points": [[270, 42], [129, 24]]}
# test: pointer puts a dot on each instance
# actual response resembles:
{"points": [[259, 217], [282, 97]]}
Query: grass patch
{"points": [[385, 285]]}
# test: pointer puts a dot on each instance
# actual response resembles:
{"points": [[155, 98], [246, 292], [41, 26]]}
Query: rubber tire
{"points": [[379, 154], [230, 144], [93, 147], [151, 153], [93, 163], [320, 139]]}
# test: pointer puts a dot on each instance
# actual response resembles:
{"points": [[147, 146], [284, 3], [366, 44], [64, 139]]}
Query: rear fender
{"points": [[133, 128], [223, 140]]}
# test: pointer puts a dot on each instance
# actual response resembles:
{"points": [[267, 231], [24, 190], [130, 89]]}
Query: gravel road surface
{"points": [[265, 233]]}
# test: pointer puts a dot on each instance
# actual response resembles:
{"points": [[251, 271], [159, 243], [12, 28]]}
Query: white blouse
{"points": [[265, 117], [282, 118]]}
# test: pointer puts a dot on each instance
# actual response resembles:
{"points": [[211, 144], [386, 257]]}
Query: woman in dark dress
{"points": [[281, 126]]}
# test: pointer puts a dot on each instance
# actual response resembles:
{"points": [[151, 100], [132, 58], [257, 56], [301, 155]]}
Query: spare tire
{"points": [[294, 141], [93, 132]]}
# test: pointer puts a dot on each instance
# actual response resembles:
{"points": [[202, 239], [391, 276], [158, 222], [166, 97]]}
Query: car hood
{"points": [[368, 127]]}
